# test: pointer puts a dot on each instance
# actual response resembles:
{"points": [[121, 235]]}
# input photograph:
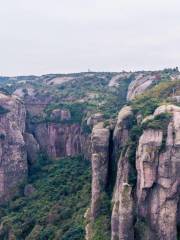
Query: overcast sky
{"points": [[55, 36]]}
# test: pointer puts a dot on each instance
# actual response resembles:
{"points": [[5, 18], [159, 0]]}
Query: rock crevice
{"points": [[148, 207]]}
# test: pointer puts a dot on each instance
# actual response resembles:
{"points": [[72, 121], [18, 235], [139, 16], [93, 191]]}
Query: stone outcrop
{"points": [[141, 83], [114, 82], [94, 119], [60, 80], [149, 207], [60, 140], [158, 177], [61, 114], [122, 211], [13, 159], [100, 157], [156, 201], [32, 148], [100, 139], [121, 131]]}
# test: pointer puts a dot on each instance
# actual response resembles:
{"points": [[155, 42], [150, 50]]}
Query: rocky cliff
{"points": [[133, 147], [146, 206], [59, 140], [157, 163], [122, 212], [100, 161], [13, 159]]}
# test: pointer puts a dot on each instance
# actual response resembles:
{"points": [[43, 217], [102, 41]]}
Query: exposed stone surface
{"points": [[122, 213], [121, 130], [13, 159], [158, 178], [32, 148], [94, 119], [22, 92], [88, 228], [176, 98], [100, 139], [141, 83], [60, 140], [114, 82], [60, 80], [175, 76], [61, 114], [100, 159], [150, 209]]}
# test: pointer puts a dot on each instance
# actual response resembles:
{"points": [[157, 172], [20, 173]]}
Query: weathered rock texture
{"points": [[158, 177], [122, 213], [32, 148], [141, 83], [13, 160], [147, 208], [61, 114], [100, 158], [60, 140], [100, 139], [114, 82], [121, 131], [94, 119]]}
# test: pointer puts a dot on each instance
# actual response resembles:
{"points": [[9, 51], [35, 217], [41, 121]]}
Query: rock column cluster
{"points": [[148, 209]]}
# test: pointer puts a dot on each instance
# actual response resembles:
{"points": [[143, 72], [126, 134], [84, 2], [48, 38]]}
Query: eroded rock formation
{"points": [[148, 207], [99, 158], [13, 159], [158, 177], [60, 140], [32, 148], [61, 114], [122, 212], [141, 83]]}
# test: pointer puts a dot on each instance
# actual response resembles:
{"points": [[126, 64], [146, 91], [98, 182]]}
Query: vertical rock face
{"points": [[100, 139], [61, 114], [100, 158], [122, 213], [60, 140], [158, 178], [32, 148], [94, 119], [121, 131], [13, 162], [147, 208], [147, 162]]}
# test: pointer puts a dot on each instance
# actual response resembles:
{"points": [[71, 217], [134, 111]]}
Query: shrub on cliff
{"points": [[158, 122]]}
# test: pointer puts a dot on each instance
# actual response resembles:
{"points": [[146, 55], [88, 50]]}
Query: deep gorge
{"points": [[126, 126]]}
